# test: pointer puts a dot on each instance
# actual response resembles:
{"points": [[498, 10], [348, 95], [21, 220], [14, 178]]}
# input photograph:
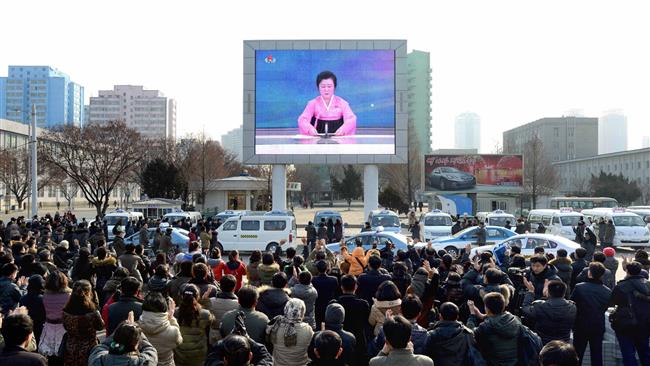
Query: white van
{"points": [[386, 219], [540, 215], [631, 230], [257, 232], [563, 222], [496, 218], [176, 216], [436, 224], [643, 212], [121, 216]]}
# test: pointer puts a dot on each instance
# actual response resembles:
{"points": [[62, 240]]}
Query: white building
{"points": [[147, 111], [232, 141], [645, 142], [612, 132], [468, 131]]}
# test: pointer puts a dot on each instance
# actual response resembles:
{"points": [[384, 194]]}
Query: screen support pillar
{"points": [[279, 186], [370, 189]]}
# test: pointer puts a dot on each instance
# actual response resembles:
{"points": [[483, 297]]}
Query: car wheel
{"points": [[443, 185], [272, 247], [220, 247], [453, 251]]}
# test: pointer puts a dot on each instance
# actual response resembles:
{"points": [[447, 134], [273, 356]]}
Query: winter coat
{"points": [[549, 273], [401, 357], [119, 311], [308, 294], [290, 355], [564, 269], [104, 269], [254, 320], [591, 299], [611, 263], [10, 295], [326, 286], [159, 284], [236, 268], [221, 304], [447, 343], [554, 317], [620, 297], [402, 280], [146, 355], [81, 333], [253, 274], [369, 282], [118, 245], [357, 312], [194, 348], [610, 232], [18, 356], [348, 343], [577, 267], [418, 338], [272, 300], [54, 303], [261, 356], [357, 260], [175, 286], [608, 278], [33, 301], [266, 272], [133, 263], [497, 338], [163, 333]]}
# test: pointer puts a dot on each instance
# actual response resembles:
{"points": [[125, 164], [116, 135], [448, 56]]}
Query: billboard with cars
{"points": [[476, 173]]}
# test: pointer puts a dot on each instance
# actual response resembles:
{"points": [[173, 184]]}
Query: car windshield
{"points": [[463, 232], [628, 221], [385, 221], [500, 221], [570, 220], [448, 170], [437, 221], [174, 218], [112, 220], [327, 217]]}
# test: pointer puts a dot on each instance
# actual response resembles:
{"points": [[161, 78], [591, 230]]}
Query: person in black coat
{"points": [[448, 340], [591, 299], [579, 263], [334, 318], [540, 271], [608, 278], [326, 286], [553, 317], [356, 317], [33, 301], [128, 301], [369, 282], [635, 289], [322, 230]]}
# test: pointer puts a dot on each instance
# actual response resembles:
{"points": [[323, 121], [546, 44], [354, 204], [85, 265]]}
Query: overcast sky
{"points": [[511, 62]]}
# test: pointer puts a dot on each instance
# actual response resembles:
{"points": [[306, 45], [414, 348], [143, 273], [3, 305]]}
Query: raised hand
{"points": [[529, 285]]}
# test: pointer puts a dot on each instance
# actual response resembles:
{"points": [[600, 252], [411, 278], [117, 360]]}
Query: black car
{"points": [[448, 178]]}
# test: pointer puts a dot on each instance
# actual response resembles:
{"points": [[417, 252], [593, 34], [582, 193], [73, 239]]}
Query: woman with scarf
{"points": [[290, 336]]}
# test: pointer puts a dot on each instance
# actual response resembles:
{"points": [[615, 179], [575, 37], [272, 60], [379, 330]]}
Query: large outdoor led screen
{"points": [[473, 173], [324, 102]]}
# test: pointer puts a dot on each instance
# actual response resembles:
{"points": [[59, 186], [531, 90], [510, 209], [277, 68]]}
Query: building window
{"points": [[570, 131], [556, 131], [638, 165]]}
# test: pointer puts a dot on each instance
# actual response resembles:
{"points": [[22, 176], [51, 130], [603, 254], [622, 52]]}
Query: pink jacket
{"points": [[339, 108]]}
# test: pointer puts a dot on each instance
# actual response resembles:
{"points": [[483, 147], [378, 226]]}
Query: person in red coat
{"points": [[233, 267]]}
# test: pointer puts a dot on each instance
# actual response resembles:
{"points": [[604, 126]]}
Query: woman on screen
{"points": [[327, 113]]}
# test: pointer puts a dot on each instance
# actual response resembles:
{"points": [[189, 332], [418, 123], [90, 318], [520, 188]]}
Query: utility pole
{"points": [[34, 165]]}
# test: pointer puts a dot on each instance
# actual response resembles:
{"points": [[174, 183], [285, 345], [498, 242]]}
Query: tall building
{"points": [[468, 131], [645, 142], [57, 99], [147, 111], [612, 132], [563, 138], [86, 114], [419, 104], [232, 141]]}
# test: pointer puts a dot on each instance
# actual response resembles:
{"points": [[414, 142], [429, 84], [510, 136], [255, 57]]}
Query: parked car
{"points": [[528, 242], [369, 237], [385, 220], [327, 214], [446, 178], [264, 232], [436, 224], [455, 243]]}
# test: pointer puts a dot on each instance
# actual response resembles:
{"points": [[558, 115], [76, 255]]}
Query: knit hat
{"points": [[334, 314], [609, 252]]}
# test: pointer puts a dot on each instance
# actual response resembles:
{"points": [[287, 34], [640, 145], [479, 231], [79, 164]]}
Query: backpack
{"points": [[635, 315], [529, 345]]}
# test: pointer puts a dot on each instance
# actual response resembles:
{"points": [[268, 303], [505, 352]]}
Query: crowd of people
{"points": [[68, 297]]}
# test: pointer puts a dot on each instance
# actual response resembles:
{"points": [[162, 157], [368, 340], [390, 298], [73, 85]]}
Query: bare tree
{"points": [[309, 178], [581, 186], [540, 177], [95, 157], [645, 194], [69, 191], [15, 173]]}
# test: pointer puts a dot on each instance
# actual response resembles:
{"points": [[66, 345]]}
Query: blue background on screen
{"points": [[366, 80]]}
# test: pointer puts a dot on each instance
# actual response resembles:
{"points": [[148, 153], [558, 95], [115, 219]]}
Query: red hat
{"points": [[609, 252]]}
